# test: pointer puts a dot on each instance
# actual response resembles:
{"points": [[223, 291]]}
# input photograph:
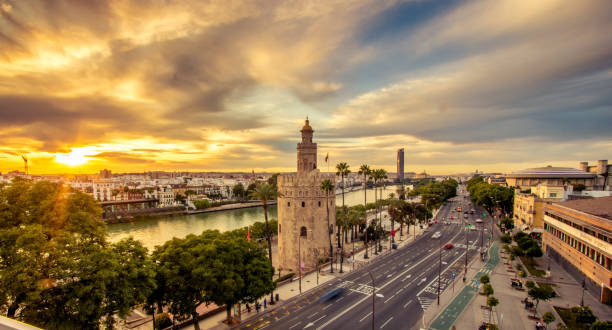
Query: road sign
{"points": [[454, 275], [477, 283]]}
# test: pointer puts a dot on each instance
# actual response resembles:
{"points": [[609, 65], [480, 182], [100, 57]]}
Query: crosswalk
{"points": [[425, 302]]}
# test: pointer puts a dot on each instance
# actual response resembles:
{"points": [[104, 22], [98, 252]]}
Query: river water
{"points": [[157, 230]]}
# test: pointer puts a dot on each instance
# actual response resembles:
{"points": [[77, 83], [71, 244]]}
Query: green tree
{"points": [[238, 191], [273, 180], [56, 268], [487, 289], [601, 325], [395, 213], [540, 293], [264, 193], [201, 204], [484, 279], [492, 302], [548, 318], [365, 171], [342, 170], [328, 188]]}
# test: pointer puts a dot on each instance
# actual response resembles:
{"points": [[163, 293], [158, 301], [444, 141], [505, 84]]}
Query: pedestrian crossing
{"points": [[425, 302]]}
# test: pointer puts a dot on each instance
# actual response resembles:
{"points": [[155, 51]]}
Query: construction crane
{"points": [[25, 162]]}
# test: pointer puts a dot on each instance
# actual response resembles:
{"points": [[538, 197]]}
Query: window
{"points": [[288, 203], [319, 203], [553, 195], [279, 228], [303, 204], [303, 232]]}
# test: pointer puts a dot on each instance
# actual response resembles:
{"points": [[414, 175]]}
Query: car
{"points": [[448, 246], [332, 294], [436, 235]]}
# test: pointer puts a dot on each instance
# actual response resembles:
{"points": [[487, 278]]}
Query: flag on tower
{"points": [[326, 157]]}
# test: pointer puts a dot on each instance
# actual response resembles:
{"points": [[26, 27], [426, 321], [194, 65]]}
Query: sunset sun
{"points": [[76, 157]]}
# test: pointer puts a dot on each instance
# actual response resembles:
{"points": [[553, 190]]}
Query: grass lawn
{"points": [[531, 267], [569, 318], [549, 286]]}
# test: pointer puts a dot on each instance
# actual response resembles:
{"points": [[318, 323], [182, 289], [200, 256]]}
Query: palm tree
{"points": [[395, 212], [264, 193], [365, 171], [374, 176], [341, 220], [327, 186], [381, 175]]}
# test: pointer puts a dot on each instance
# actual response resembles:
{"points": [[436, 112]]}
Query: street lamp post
{"points": [[439, 274]]}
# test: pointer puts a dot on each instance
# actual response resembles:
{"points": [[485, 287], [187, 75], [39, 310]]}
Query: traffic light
{"points": [[488, 238], [484, 214], [469, 225]]}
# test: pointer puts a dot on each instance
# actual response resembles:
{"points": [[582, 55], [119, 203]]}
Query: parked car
{"points": [[448, 246]]}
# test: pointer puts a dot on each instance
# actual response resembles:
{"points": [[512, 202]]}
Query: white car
{"points": [[436, 235]]}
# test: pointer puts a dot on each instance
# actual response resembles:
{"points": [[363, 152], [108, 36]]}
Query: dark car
{"points": [[332, 294]]}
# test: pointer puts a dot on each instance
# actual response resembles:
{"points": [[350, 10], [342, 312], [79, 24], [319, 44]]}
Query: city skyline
{"points": [[460, 85]]}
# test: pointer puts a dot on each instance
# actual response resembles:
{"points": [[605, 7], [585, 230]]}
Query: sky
{"points": [[226, 85]]}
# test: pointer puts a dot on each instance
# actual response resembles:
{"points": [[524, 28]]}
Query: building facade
{"points": [[550, 176], [602, 170], [529, 206], [400, 165], [578, 234], [304, 210]]}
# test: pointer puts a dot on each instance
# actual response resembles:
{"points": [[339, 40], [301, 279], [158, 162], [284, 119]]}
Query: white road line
{"points": [[315, 321], [313, 314], [389, 320], [295, 325], [363, 318], [408, 303], [388, 299], [326, 307], [383, 286], [339, 299]]}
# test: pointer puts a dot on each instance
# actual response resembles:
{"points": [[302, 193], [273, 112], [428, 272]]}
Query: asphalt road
{"points": [[406, 282]]}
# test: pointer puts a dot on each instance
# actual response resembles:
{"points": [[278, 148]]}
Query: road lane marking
{"points": [[407, 277], [389, 320], [363, 318], [295, 325], [388, 299], [313, 314], [408, 303]]}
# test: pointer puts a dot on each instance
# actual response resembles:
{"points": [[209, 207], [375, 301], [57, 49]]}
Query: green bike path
{"points": [[449, 315]]}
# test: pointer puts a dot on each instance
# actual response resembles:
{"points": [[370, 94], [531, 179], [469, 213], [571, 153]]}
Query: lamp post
{"points": [[373, 297], [439, 274]]}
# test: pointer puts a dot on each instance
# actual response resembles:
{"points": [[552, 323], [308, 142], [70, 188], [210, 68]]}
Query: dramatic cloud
{"points": [[225, 85]]}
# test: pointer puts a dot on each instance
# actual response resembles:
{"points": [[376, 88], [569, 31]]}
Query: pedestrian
{"points": [[248, 308], [257, 306], [265, 303]]}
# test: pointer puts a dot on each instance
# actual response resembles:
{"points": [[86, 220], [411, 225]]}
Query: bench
{"points": [[519, 288], [531, 316], [485, 307]]}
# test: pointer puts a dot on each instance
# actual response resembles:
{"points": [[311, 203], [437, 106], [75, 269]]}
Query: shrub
{"points": [[162, 321], [601, 325], [505, 239], [534, 252], [521, 273], [285, 277]]}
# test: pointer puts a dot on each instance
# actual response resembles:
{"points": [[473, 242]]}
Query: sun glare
{"points": [[77, 156]]}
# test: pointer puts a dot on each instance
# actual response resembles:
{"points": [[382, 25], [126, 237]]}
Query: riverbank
{"points": [[230, 207]]}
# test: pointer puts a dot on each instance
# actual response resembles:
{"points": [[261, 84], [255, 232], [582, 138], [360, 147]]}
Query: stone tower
{"points": [[302, 212]]}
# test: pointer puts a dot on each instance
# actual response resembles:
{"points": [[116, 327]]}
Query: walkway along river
{"points": [[157, 230]]}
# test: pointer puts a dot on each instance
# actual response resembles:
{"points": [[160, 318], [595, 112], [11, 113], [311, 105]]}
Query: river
{"points": [[157, 230]]}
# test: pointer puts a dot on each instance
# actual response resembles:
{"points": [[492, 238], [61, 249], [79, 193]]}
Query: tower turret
{"points": [[306, 150]]}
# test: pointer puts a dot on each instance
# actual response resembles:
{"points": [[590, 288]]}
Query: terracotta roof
{"points": [[601, 206]]}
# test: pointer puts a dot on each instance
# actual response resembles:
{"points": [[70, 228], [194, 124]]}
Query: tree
{"points": [[540, 293], [328, 187], [273, 179], [264, 193], [238, 191], [601, 325], [365, 171], [201, 204], [484, 279], [492, 302], [487, 289], [56, 268], [548, 318], [250, 190], [395, 213], [342, 170]]}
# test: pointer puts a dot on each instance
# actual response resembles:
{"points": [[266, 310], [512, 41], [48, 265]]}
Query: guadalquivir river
{"points": [[157, 230]]}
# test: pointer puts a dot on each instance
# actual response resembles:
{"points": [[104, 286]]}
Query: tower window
{"points": [[303, 232], [319, 203], [303, 204], [279, 227], [288, 203]]}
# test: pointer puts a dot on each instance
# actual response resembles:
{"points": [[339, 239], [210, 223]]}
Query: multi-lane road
{"points": [[406, 282]]}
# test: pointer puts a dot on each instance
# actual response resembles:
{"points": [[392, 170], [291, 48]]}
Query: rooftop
{"points": [[551, 172], [601, 206]]}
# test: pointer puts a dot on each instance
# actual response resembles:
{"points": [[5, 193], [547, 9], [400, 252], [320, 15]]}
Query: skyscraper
{"points": [[400, 165]]}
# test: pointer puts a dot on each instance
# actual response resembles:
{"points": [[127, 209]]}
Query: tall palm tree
{"points": [[342, 170], [374, 176], [395, 213], [365, 171], [265, 192], [327, 186]]}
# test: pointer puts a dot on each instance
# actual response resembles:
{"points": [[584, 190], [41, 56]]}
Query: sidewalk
{"points": [[510, 313]]}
